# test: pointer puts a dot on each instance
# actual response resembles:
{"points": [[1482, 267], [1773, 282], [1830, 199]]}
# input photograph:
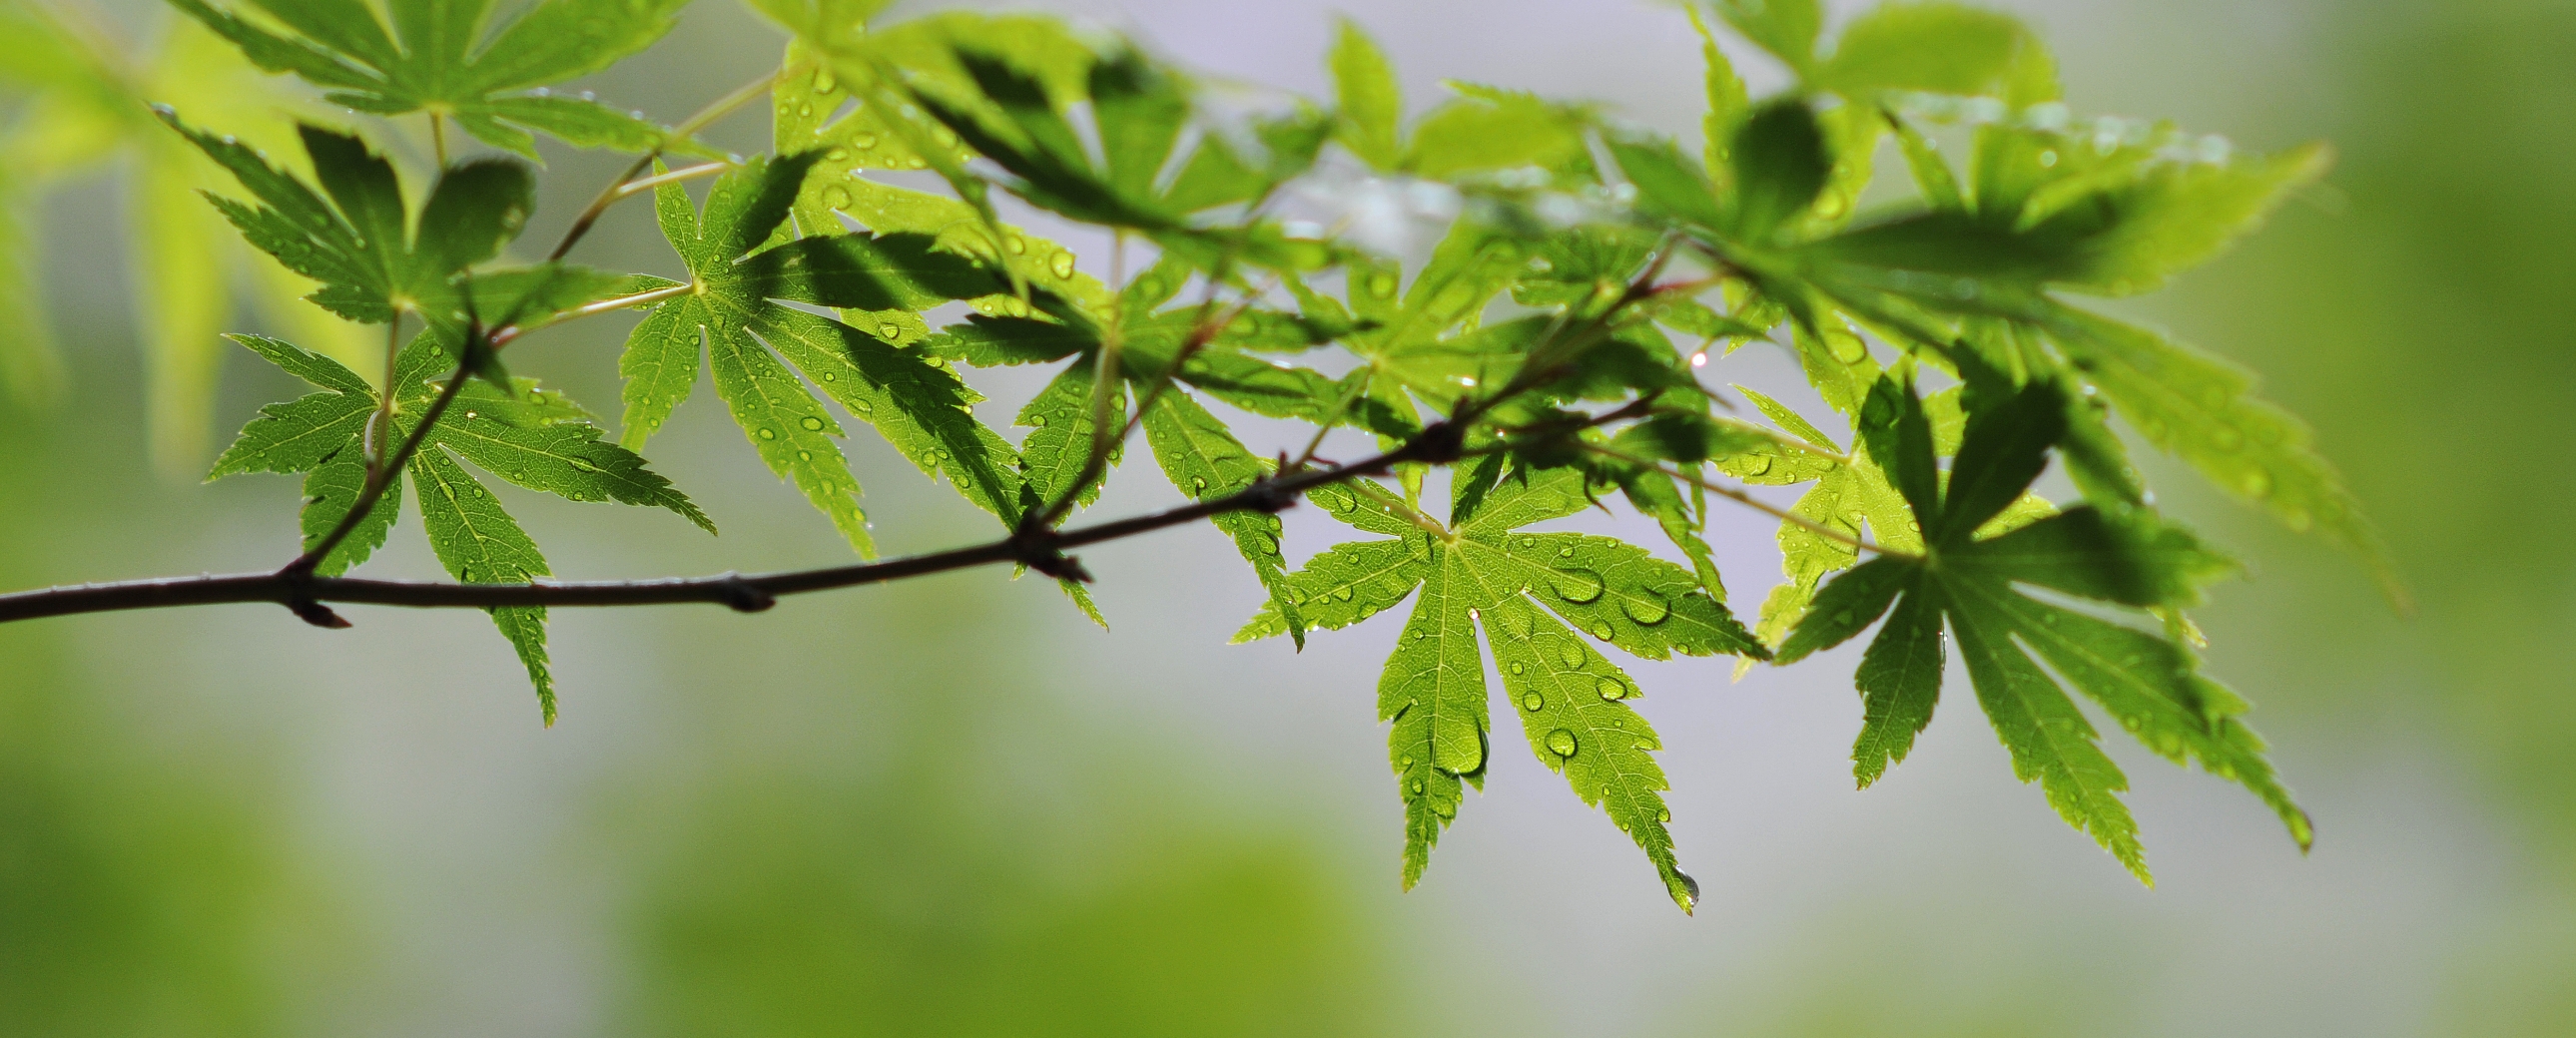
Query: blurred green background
{"points": [[951, 806]]}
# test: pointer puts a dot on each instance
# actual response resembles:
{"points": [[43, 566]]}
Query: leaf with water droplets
{"points": [[1576, 728], [331, 488], [1346, 584], [564, 458], [478, 543], [751, 340], [1433, 690], [1651, 608], [922, 409], [1205, 461], [1059, 442], [296, 435]]}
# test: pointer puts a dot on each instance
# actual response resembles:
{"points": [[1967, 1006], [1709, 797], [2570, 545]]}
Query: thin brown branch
{"points": [[1038, 548]]}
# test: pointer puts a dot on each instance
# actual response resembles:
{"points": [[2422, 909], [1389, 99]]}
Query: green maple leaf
{"points": [[808, 116], [446, 57], [374, 257], [1418, 339], [1482, 570], [1195, 449], [2109, 215], [1008, 112], [530, 437], [755, 347], [1483, 130], [2117, 556]]}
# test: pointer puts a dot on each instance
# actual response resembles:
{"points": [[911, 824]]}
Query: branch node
{"points": [[1269, 496], [1440, 443], [1036, 547], [300, 600], [743, 596]]}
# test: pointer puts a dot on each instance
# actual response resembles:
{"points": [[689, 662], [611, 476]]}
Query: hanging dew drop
{"points": [[1575, 585], [1646, 607], [1846, 347]]}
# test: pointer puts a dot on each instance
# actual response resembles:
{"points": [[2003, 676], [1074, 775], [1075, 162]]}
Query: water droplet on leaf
{"points": [[1575, 585], [1646, 607], [1561, 743]]}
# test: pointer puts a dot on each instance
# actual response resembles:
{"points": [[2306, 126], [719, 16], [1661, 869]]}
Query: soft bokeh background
{"points": [[953, 807]]}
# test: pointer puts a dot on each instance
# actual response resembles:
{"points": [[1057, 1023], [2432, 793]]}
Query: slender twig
{"points": [[1757, 504], [640, 185], [502, 337], [1098, 459], [617, 189], [1332, 418], [380, 424], [1040, 548], [1799, 443], [1200, 336]]}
